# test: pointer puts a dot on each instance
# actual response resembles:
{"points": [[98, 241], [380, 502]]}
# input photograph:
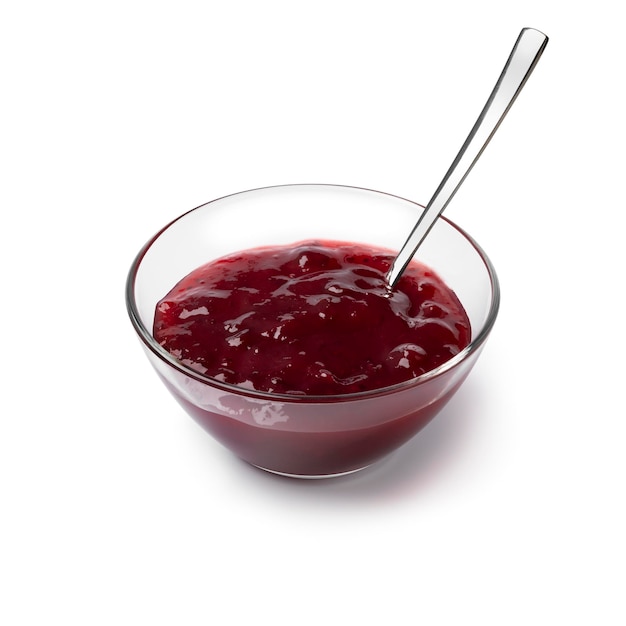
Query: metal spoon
{"points": [[525, 54]]}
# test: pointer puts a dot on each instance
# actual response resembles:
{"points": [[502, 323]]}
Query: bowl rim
{"points": [[145, 335]]}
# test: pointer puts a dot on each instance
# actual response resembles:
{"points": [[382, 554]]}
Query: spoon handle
{"points": [[525, 54]]}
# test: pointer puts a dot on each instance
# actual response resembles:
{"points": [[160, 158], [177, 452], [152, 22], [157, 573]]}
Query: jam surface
{"points": [[313, 318]]}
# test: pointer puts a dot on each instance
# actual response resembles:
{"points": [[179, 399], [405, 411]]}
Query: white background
{"points": [[115, 508]]}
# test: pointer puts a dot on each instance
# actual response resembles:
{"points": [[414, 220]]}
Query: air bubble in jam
{"points": [[313, 318]]}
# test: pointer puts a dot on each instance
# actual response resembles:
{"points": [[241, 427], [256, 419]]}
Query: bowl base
{"points": [[312, 477]]}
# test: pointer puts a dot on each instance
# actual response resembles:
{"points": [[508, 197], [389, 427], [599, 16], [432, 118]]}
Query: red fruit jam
{"points": [[310, 321], [314, 318]]}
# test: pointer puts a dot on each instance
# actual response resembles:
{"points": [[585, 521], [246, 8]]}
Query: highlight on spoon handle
{"points": [[525, 54]]}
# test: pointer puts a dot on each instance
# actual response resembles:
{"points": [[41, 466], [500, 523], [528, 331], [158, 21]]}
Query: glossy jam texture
{"points": [[313, 318]]}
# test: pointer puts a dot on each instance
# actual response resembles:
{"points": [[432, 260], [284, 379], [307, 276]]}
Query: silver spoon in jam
{"points": [[525, 54]]}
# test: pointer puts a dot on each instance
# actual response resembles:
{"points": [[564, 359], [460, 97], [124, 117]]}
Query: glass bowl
{"points": [[309, 436]]}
